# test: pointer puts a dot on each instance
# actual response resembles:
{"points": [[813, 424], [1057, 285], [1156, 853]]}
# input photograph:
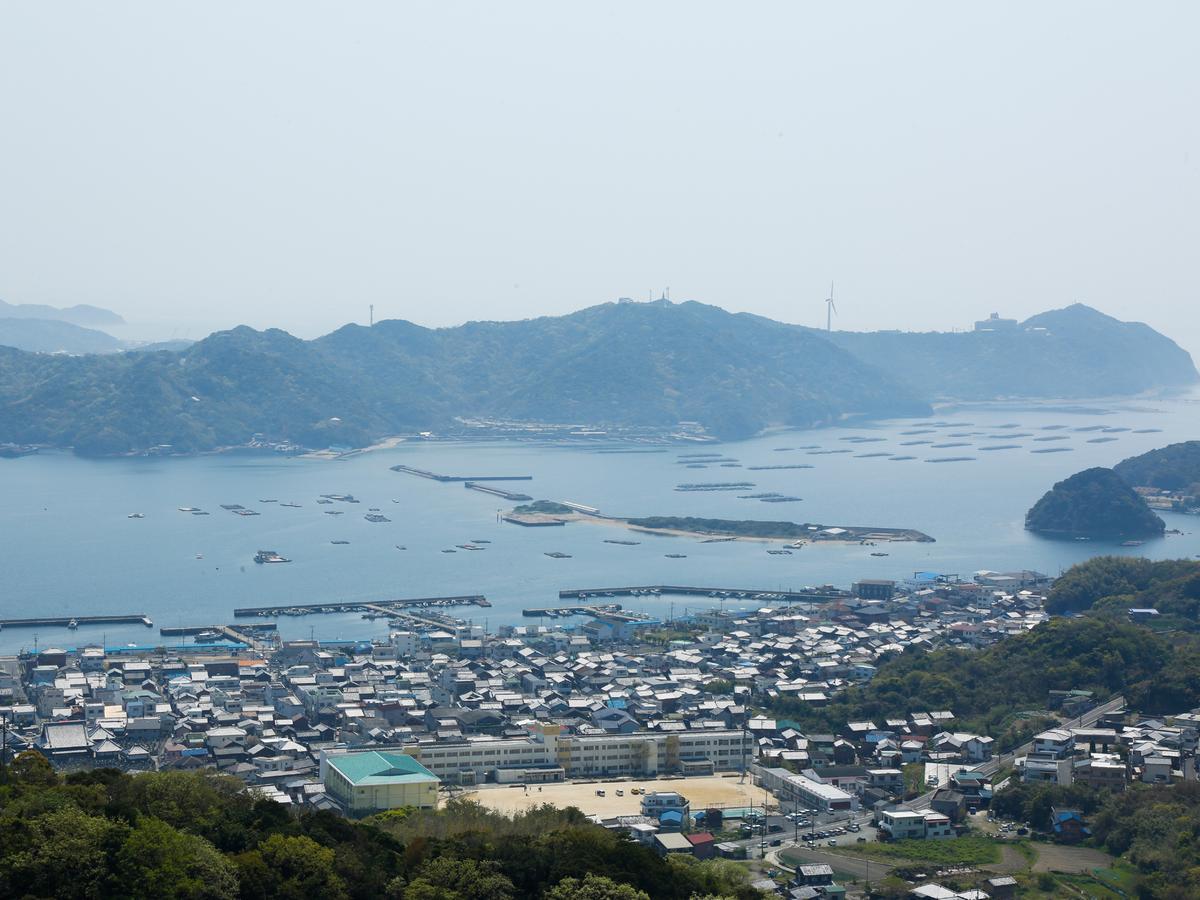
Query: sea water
{"points": [[69, 549]]}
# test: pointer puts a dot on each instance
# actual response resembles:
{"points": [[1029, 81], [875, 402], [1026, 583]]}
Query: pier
{"points": [[533, 520], [805, 595], [65, 621], [380, 607], [434, 476], [497, 492]]}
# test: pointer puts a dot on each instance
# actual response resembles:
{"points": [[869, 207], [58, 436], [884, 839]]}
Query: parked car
{"points": [[600, 793]]}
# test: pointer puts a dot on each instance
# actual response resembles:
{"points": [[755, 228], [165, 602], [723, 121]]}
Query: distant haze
{"points": [[196, 166]]}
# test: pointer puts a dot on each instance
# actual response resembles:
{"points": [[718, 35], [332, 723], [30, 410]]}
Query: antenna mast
{"points": [[372, 315]]}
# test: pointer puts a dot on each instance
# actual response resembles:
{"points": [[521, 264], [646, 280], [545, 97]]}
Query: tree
{"points": [[157, 860], [62, 853], [594, 887], [30, 767], [300, 868], [448, 878]]}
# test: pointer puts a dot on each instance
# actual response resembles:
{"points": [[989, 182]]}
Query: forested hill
{"points": [[1175, 467], [1071, 352], [649, 365], [1094, 503]]}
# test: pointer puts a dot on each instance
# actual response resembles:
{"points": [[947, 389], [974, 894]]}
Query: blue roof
{"points": [[671, 815]]}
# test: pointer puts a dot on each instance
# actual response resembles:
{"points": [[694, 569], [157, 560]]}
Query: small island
{"points": [[549, 512], [1094, 503]]}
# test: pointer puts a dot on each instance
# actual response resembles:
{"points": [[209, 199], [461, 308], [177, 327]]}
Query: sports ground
{"points": [[705, 791]]}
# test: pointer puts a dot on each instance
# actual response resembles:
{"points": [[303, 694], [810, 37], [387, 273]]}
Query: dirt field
{"points": [[1057, 858], [701, 792]]}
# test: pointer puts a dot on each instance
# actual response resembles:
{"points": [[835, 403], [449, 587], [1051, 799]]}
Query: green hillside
{"points": [[1094, 503]]}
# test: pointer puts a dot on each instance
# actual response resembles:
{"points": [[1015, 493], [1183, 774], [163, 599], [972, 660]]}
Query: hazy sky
{"points": [[199, 165]]}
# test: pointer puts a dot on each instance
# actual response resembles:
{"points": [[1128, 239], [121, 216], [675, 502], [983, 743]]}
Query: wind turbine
{"points": [[830, 309]]}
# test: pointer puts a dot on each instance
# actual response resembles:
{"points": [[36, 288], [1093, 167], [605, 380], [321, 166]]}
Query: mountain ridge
{"points": [[81, 314], [1072, 349], [611, 366]]}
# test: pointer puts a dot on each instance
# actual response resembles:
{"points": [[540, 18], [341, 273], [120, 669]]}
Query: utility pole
{"points": [[3, 747]]}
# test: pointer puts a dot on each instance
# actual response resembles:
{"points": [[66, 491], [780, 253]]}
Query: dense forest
{"points": [[1123, 582], [1157, 829], [196, 836], [1175, 467], [989, 689], [1094, 503]]}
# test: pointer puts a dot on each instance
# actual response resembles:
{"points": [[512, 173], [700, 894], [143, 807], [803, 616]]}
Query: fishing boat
{"points": [[136, 516], [72, 624]]}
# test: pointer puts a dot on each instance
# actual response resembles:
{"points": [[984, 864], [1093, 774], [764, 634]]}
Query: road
{"points": [[992, 766], [858, 866]]}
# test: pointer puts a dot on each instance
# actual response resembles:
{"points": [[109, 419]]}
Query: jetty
{"points": [[824, 594], [380, 607], [65, 621], [435, 476], [497, 492]]}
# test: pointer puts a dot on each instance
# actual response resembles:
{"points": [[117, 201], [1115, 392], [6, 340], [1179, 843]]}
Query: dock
{"points": [[248, 636], [435, 476], [805, 595], [497, 492], [537, 612], [189, 630], [65, 621], [380, 607]]}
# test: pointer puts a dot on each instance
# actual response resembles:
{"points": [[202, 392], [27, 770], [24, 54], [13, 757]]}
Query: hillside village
{"points": [[358, 729]]}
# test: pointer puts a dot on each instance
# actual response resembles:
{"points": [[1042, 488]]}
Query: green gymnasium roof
{"points": [[374, 767]]}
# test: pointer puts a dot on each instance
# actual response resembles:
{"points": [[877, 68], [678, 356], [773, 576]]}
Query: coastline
{"points": [[387, 443]]}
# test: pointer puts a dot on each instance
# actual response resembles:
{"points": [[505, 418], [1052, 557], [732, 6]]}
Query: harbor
{"points": [[825, 594], [257, 637], [384, 607], [553, 612]]}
